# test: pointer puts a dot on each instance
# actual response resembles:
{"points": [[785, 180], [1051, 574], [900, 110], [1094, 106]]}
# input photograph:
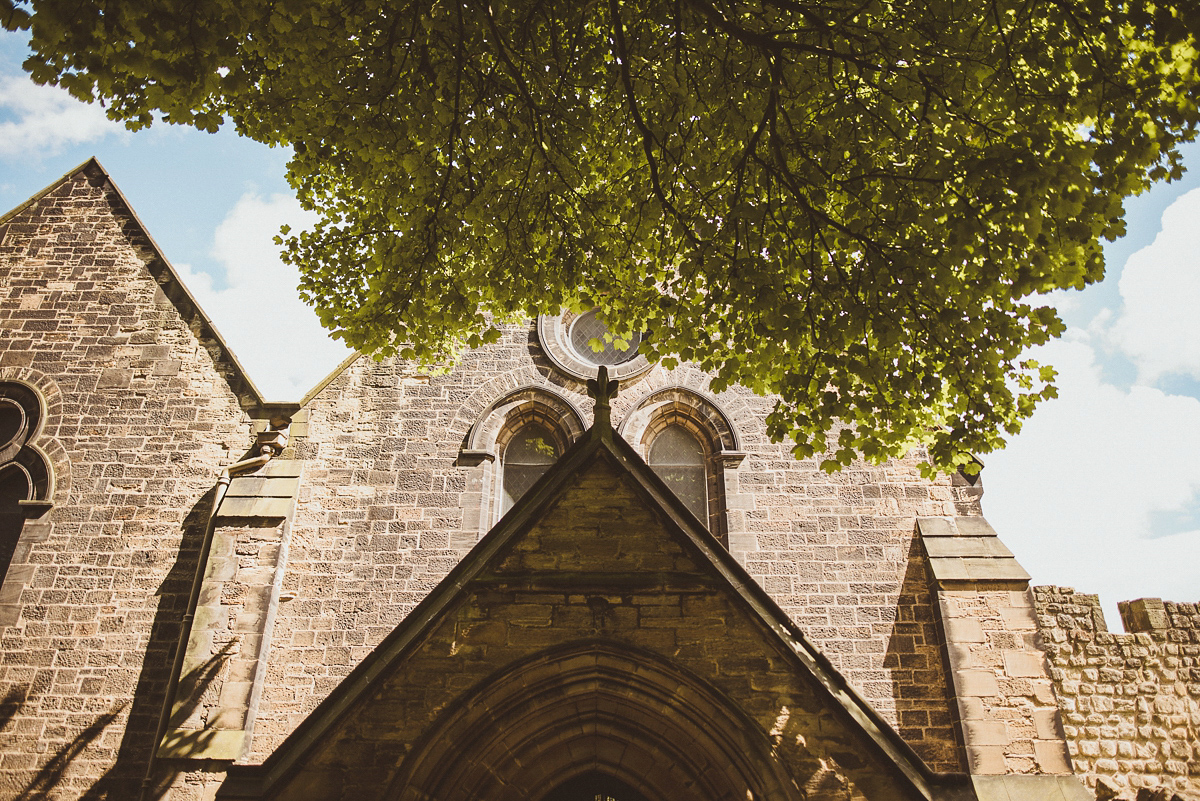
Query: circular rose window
{"points": [[579, 343], [592, 342]]}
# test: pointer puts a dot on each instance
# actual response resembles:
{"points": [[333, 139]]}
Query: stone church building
{"points": [[503, 584]]}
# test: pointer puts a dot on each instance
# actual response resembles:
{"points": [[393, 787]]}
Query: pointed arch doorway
{"points": [[594, 786], [593, 720]]}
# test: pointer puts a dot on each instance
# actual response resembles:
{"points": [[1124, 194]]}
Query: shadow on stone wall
{"points": [[122, 782], [915, 664], [12, 702], [51, 774]]}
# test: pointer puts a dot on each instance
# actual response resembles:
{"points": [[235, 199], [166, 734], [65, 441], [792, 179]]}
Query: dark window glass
{"points": [[678, 458], [588, 327], [14, 486], [12, 421], [527, 457]]}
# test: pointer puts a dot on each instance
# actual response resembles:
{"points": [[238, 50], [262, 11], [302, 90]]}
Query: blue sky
{"points": [[1100, 491]]}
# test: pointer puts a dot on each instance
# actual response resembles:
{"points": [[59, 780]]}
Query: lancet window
{"points": [[528, 454], [691, 445], [679, 459], [512, 444]]}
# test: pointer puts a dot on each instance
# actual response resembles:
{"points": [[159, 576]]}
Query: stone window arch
{"points": [[26, 479], [521, 424], [530, 444], [691, 444]]}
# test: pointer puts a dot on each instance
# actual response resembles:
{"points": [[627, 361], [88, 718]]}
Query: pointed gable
{"points": [[81, 231], [597, 628]]}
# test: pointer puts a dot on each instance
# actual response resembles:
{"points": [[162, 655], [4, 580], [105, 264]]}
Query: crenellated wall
{"points": [[1130, 702]]}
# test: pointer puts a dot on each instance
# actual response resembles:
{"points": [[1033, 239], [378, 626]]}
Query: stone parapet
{"points": [[1130, 702]]}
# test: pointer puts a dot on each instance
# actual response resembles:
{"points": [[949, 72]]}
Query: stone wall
{"points": [[602, 575], [380, 517], [143, 406], [1130, 702]]}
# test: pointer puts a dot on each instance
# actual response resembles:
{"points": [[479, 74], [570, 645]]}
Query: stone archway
{"points": [[593, 708], [593, 787]]}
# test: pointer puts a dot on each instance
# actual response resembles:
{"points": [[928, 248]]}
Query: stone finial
{"points": [[603, 390]]}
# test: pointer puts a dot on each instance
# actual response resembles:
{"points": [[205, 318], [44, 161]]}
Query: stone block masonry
{"points": [[145, 407], [313, 569], [222, 673], [1008, 719], [383, 501], [1130, 702]]}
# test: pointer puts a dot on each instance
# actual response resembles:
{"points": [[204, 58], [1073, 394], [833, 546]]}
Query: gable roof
{"points": [[160, 268], [600, 442]]}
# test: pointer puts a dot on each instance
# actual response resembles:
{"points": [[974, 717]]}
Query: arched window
{"points": [[691, 444], [678, 458], [511, 444], [13, 422], [15, 486], [527, 456], [24, 475], [594, 787]]}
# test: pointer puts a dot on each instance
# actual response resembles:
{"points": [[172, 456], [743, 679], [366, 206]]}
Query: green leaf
{"points": [[847, 207]]}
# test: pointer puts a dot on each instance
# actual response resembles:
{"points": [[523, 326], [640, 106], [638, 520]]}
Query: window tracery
{"points": [[25, 476], [568, 340]]}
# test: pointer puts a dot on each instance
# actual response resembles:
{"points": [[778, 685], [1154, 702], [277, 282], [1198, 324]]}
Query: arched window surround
{"points": [[27, 485], [554, 335], [483, 449], [702, 417]]}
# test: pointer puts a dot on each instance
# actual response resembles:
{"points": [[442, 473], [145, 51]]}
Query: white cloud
{"points": [[1159, 326], [1075, 495], [39, 120], [276, 337]]}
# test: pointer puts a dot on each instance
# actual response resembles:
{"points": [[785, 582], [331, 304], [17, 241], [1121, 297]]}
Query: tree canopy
{"points": [[850, 203]]}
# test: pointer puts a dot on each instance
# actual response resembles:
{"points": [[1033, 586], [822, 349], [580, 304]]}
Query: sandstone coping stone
{"points": [[1006, 717]]}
